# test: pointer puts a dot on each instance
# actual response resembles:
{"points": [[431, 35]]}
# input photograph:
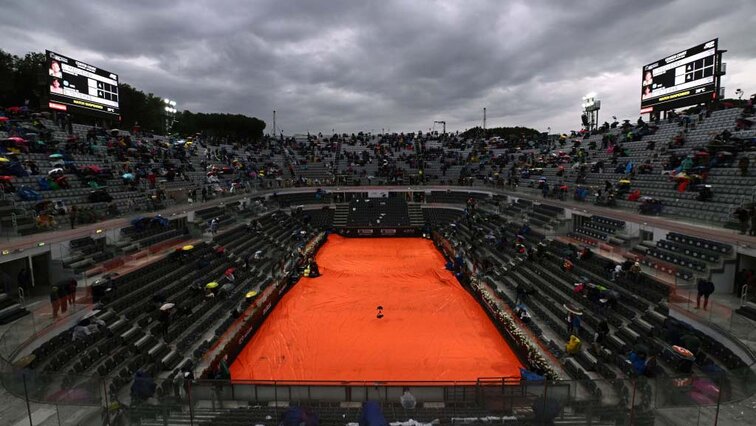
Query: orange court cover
{"points": [[326, 328]]}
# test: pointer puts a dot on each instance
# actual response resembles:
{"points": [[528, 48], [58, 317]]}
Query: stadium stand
{"points": [[513, 216]]}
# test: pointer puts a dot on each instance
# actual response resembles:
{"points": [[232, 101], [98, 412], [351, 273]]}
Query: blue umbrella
{"points": [[56, 156], [128, 176]]}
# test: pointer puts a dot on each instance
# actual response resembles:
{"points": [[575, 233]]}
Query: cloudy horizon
{"points": [[395, 65]]}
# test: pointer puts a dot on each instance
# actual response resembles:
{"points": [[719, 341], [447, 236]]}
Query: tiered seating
{"points": [[378, 212], [295, 199], [437, 216], [85, 252], [133, 338], [449, 197], [599, 229], [683, 255], [319, 218]]}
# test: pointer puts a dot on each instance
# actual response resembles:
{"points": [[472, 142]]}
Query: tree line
{"points": [[24, 79]]}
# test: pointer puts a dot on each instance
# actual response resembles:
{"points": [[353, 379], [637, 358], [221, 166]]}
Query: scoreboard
{"points": [[75, 85], [686, 78]]}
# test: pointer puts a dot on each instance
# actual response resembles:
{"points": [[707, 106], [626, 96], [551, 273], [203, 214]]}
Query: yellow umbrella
{"points": [[187, 248], [4, 160], [624, 181], [250, 294], [211, 285]]}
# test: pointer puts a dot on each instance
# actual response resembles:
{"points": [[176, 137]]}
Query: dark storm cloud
{"points": [[351, 65]]}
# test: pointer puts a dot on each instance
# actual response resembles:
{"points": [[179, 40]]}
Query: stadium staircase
{"points": [[341, 215], [415, 214]]}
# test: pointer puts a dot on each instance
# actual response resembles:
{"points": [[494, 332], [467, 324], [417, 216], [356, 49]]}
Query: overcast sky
{"points": [[366, 65]]}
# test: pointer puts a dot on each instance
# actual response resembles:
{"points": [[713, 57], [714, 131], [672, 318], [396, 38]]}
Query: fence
{"points": [[64, 399]]}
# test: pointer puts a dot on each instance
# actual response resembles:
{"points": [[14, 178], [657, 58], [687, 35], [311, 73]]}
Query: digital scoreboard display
{"points": [[75, 85], [685, 78]]}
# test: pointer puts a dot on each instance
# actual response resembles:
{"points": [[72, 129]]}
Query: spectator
{"points": [[637, 361], [71, 291], [408, 400], [24, 279], [705, 289], [143, 387], [602, 331], [372, 415], [635, 270], [573, 323], [616, 272], [573, 345], [72, 216], [55, 301], [743, 216], [743, 164]]}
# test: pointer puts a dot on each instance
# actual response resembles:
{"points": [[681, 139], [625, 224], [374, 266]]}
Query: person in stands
{"points": [[573, 345], [743, 164], [55, 301], [743, 216], [705, 289], [602, 331]]}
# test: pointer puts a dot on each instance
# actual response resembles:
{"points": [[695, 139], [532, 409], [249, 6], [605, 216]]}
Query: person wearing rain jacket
{"points": [[573, 345]]}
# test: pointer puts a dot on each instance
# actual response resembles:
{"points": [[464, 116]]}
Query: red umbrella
{"points": [[16, 139], [230, 271], [2, 118], [14, 109]]}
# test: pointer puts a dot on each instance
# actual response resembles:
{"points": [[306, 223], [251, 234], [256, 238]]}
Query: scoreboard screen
{"points": [[75, 85], [685, 78]]}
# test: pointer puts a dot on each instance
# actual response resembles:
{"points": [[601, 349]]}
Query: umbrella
{"points": [[16, 139], [250, 294], [25, 361], [229, 271], [624, 181], [54, 171], [55, 156], [167, 306], [211, 285], [4, 160], [573, 309], [128, 176], [4, 119], [187, 247]]}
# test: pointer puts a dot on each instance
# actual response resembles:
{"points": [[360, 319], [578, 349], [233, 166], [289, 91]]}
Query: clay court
{"points": [[326, 328]]}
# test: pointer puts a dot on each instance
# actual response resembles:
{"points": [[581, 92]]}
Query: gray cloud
{"points": [[347, 65]]}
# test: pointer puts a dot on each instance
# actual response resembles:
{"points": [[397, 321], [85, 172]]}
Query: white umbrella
{"points": [[167, 306]]}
